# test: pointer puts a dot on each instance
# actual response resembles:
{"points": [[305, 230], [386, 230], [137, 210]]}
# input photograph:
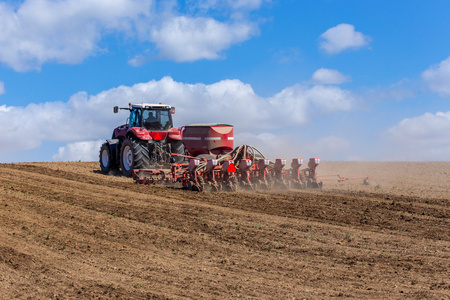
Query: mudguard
{"points": [[113, 145], [175, 134]]}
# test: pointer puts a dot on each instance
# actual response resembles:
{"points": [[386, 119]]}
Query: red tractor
{"points": [[146, 141]]}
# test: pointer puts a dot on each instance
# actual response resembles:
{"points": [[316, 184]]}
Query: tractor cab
{"points": [[152, 117]]}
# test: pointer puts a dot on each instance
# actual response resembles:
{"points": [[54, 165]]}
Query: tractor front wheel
{"points": [[127, 157], [107, 162]]}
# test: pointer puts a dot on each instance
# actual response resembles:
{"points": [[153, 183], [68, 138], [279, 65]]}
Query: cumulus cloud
{"points": [[34, 32], [2, 87], [329, 76], [329, 99], [438, 77], [87, 118], [271, 145], [290, 146], [65, 31], [422, 138], [79, 151], [4, 108], [188, 39], [295, 104], [342, 37]]}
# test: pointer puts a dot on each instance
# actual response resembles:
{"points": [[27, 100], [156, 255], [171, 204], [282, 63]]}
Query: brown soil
{"points": [[67, 231]]}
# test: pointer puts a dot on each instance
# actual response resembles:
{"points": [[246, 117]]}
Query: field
{"points": [[67, 231]]}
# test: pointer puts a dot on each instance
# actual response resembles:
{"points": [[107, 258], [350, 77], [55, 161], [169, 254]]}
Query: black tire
{"points": [[133, 155], [142, 156], [177, 147], [107, 162]]}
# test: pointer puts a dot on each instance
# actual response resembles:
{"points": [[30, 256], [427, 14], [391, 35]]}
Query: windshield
{"points": [[157, 119]]}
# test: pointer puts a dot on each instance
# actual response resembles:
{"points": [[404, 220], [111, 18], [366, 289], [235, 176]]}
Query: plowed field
{"points": [[67, 231]]}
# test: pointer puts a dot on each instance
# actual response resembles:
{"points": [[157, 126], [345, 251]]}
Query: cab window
{"points": [[152, 119], [166, 120], [135, 118], [157, 119]]}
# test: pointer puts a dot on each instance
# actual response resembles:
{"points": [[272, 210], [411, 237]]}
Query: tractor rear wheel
{"points": [[107, 162], [133, 155], [177, 147]]}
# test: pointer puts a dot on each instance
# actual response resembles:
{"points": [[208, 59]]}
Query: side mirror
{"points": [[172, 110], [116, 109]]}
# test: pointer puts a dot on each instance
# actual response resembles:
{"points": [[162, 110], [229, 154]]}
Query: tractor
{"points": [[148, 140]]}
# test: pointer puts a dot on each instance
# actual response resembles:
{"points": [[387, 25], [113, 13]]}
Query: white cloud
{"points": [[68, 31], [79, 151], [288, 146], [438, 77], [342, 37], [65, 31], [139, 60], [296, 104], [86, 117], [2, 87], [188, 39], [329, 76], [271, 145], [4, 108], [330, 99], [425, 137]]}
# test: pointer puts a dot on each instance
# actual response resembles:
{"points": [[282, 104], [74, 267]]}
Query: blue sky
{"points": [[339, 80]]}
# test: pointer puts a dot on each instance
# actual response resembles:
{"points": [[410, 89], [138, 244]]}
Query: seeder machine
{"points": [[199, 156]]}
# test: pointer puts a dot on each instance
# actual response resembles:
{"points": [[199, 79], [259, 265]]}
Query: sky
{"points": [[342, 80]]}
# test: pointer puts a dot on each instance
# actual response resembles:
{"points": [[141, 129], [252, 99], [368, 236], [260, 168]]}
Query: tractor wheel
{"points": [[177, 147], [141, 156], [107, 162], [133, 155]]}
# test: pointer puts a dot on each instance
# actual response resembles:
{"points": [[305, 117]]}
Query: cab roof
{"points": [[151, 106]]}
